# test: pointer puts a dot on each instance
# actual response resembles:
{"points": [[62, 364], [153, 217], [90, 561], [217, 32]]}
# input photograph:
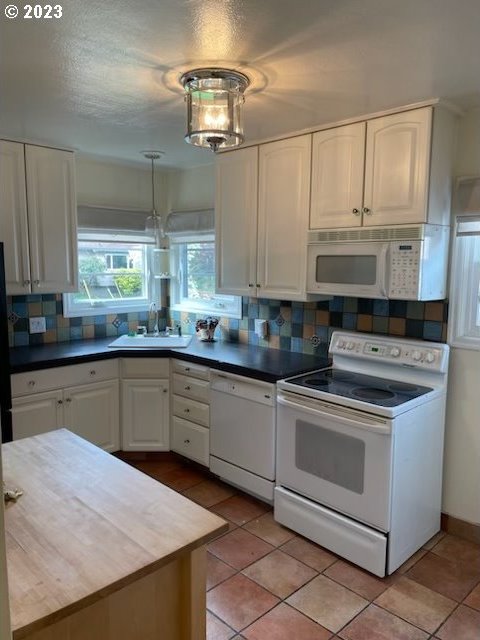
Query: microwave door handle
{"points": [[385, 269]]}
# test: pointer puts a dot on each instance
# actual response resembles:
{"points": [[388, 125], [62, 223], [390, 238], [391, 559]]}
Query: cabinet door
{"points": [[283, 212], [397, 168], [236, 221], [145, 415], [52, 219], [337, 177], [13, 217], [36, 414], [92, 412]]}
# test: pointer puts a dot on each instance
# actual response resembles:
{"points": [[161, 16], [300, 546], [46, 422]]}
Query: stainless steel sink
{"points": [[151, 342]]}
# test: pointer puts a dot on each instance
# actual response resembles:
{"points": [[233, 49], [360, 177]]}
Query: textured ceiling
{"points": [[104, 77]]}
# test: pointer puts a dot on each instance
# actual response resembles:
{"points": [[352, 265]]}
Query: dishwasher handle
{"points": [[243, 387]]}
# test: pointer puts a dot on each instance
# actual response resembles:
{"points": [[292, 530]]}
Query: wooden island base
{"points": [[97, 550], [169, 604]]}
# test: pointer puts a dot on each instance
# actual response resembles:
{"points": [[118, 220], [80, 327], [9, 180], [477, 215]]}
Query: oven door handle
{"points": [[349, 417]]}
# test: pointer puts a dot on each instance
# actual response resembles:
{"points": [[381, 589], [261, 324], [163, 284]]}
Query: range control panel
{"points": [[402, 352]]}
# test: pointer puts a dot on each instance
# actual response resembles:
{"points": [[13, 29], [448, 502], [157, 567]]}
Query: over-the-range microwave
{"points": [[407, 262]]}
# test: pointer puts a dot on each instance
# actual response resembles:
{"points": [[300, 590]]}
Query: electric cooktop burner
{"points": [[370, 389]]}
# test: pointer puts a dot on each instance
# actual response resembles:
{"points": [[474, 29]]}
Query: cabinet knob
{"points": [[187, 441], [251, 285], [258, 285], [165, 390], [356, 212], [93, 372], [31, 383], [186, 410], [68, 400], [367, 211], [26, 283], [36, 282], [59, 401], [187, 368], [187, 388]]}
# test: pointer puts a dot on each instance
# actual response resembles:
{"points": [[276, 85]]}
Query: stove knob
{"points": [[350, 345], [394, 352], [430, 357], [417, 355], [340, 344]]}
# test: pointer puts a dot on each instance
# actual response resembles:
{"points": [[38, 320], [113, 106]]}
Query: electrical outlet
{"points": [[38, 325]]}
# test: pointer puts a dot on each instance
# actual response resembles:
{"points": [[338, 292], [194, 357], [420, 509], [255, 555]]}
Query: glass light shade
{"points": [[214, 99], [161, 263], [154, 228]]}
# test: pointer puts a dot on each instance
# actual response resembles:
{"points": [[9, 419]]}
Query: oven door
{"points": [[339, 457], [357, 269]]}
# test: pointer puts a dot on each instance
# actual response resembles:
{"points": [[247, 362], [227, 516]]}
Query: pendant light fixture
{"points": [[214, 98], [154, 227]]}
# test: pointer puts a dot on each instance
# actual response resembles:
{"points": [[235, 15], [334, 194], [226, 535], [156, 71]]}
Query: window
{"points": [[465, 298], [193, 284], [112, 276]]}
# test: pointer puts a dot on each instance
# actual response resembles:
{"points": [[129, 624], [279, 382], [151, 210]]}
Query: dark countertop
{"points": [[248, 360]]}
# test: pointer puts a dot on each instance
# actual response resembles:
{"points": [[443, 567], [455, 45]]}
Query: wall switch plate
{"points": [[261, 328], [38, 325]]}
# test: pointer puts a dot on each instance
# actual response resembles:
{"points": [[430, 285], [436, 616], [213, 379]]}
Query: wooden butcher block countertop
{"points": [[86, 526]]}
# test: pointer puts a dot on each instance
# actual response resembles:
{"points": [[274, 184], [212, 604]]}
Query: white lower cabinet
{"points": [[191, 411], [37, 413], [83, 398], [145, 413], [92, 412]]}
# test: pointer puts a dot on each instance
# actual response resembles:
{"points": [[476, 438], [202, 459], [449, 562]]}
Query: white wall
{"points": [[114, 184], [191, 188], [461, 490]]}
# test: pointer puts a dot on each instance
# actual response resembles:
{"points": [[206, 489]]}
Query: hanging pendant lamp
{"points": [[154, 227]]}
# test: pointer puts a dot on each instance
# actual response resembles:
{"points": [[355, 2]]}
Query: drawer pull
{"points": [[31, 383], [188, 388], [186, 410], [187, 441], [187, 368], [93, 372]]}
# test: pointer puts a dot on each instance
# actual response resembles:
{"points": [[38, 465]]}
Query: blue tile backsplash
{"points": [[294, 326]]}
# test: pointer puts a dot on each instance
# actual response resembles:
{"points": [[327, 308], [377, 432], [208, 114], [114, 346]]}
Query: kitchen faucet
{"points": [[153, 309]]}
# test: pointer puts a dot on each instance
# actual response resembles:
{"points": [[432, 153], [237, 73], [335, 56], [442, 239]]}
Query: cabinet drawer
{"points": [[145, 367], [190, 369], [191, 388], [191, 410], [61, 377], [191, 440]]}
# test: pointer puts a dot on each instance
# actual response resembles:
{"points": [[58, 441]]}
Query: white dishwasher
{"points": [[242, 432]]}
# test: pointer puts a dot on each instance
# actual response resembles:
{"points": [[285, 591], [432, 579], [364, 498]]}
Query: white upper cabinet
{"points": [[404, 171], [396, 168], [13, 217], [236, 221], [51, 219], [38, 218], [283, 211], [261, 211], [338, 158]]}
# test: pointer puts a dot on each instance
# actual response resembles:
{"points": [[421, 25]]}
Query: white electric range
{"points": [[360, 449]]}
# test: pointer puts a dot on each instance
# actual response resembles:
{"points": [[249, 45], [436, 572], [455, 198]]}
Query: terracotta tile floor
{"points": [[266, 583]]}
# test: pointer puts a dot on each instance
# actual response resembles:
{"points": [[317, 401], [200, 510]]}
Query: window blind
{"points": [[113, 224], [190, 223]]}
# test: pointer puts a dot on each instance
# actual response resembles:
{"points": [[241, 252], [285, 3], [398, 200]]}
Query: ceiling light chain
{"points": [[214, 98]]}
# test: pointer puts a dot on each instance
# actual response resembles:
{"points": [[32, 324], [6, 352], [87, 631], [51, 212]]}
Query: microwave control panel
{"points": [[405, 260]]}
